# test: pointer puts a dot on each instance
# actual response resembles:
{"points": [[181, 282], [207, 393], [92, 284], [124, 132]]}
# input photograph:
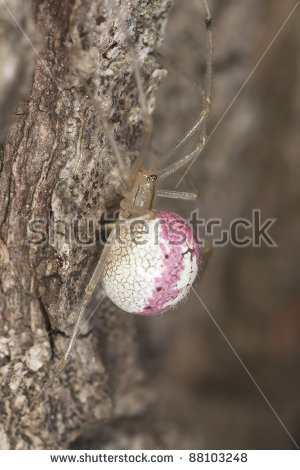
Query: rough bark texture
{"points": [[56, 166]]}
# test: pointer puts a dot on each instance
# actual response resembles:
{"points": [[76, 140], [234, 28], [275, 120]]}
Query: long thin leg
{"points": [[182, 161], [192, 185], [147, 116], [209, 50], [176, 194], [209, 56], [200, 122], [95, 279], [124, 172], [192, 131]]}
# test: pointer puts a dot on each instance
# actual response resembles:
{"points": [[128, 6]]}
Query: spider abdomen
{"points": [[152, 264]]}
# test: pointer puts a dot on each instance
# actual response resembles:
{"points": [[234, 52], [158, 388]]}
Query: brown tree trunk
{"points": [[57, 166]]}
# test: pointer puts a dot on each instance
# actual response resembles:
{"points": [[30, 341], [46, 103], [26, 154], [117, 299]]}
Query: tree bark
{"points": [[57, 165]]}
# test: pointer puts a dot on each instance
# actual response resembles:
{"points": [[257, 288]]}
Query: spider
{"points": [[151, 258], [137, 274]]}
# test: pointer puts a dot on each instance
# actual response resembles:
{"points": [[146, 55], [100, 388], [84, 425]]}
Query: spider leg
{"points": [[191, 183], [146, 114], [192, 131], [107, 129], [182, 161], [176, 194], [200, 122], [95, 279]]}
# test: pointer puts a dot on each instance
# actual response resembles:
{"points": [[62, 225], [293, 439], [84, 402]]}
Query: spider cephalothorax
{"points": [[141, 195]]}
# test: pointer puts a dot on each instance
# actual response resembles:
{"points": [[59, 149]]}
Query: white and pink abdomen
{"points": [[152, 264]]}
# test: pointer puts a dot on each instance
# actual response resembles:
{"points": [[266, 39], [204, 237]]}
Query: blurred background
{"points": [[251, 161]]}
